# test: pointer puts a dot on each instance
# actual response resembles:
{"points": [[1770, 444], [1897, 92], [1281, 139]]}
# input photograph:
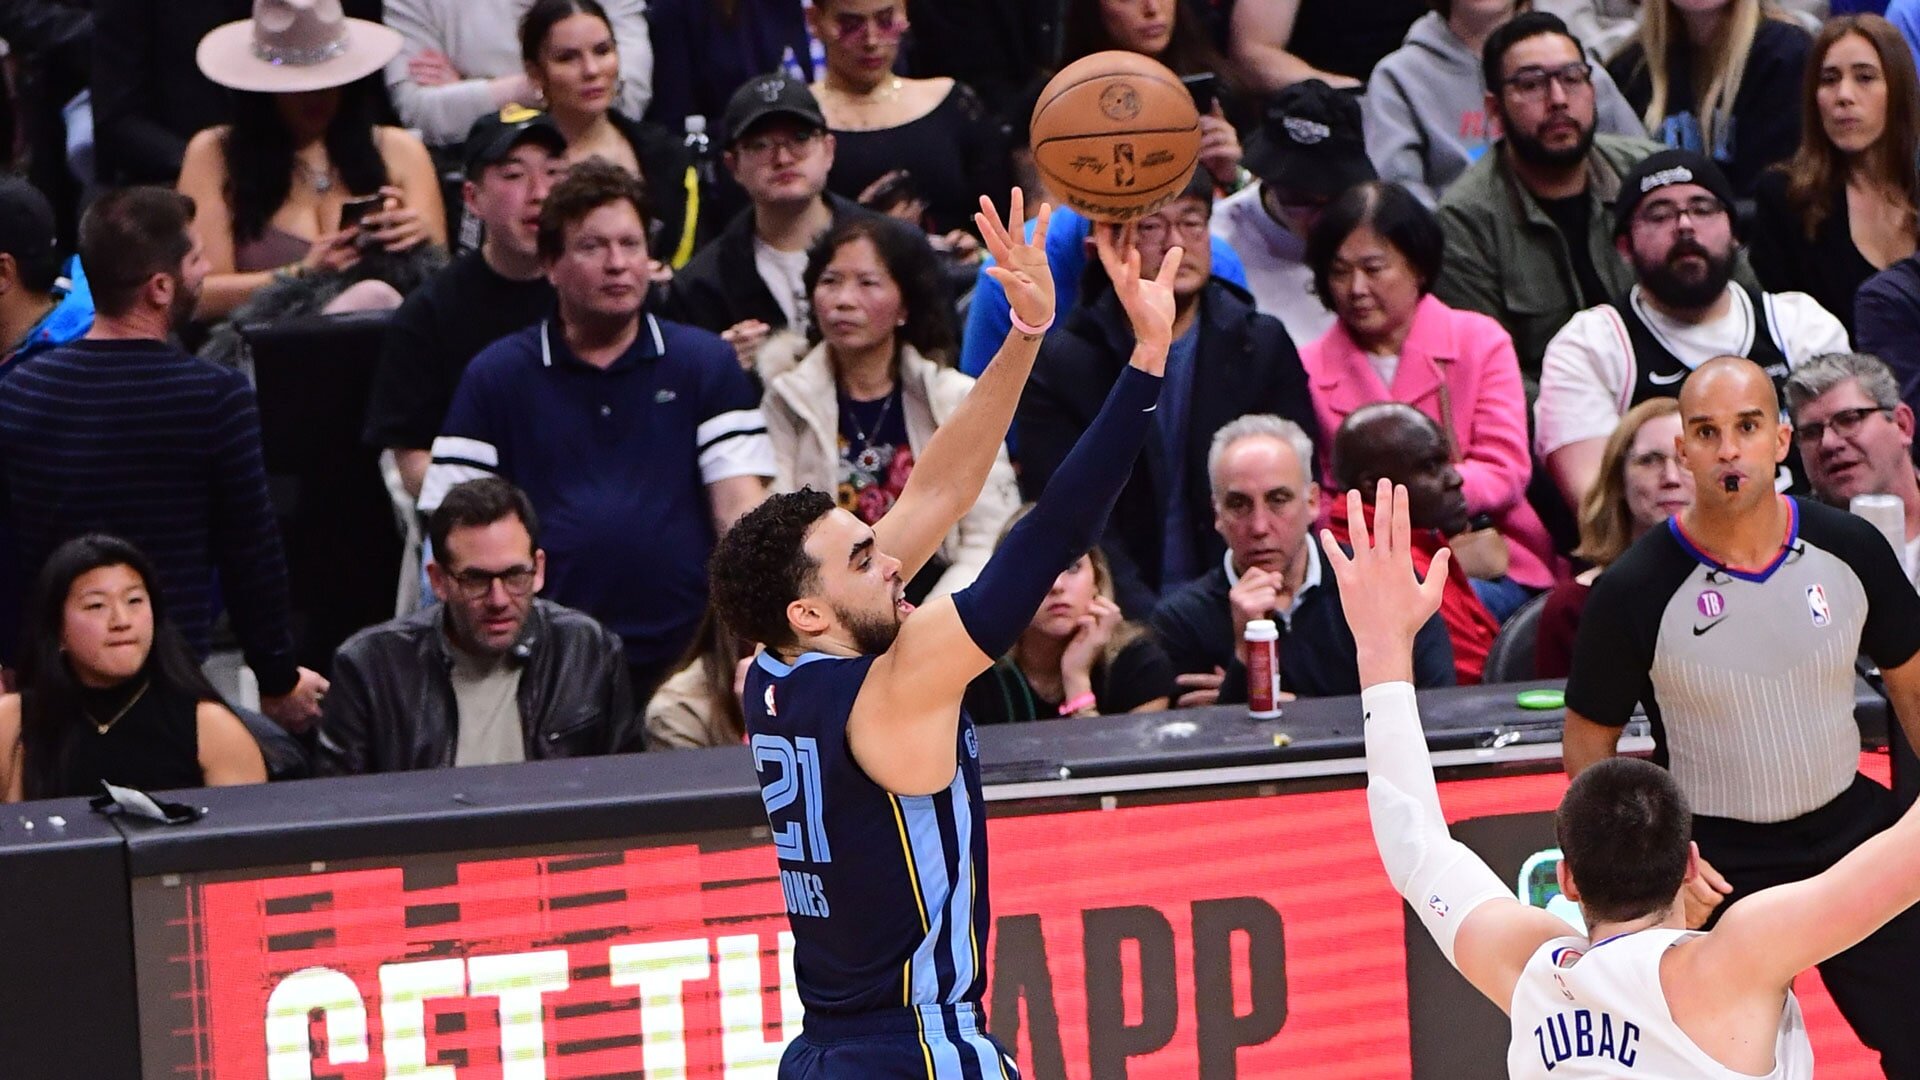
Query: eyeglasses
{"points": [[887, 25], [1843, 423], [1662, 214], [472, 584], [764, 146], [1156, 229], [1531, 82]]}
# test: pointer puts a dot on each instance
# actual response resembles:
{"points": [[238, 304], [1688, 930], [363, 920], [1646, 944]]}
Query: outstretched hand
{"points": [[1148, 302], [1386, 603], [1020, 265]]}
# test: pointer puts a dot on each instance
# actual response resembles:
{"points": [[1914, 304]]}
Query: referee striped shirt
{"points": [[138, 439]]}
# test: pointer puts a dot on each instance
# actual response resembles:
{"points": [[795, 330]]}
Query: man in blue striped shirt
{"points": [[121, 432]]}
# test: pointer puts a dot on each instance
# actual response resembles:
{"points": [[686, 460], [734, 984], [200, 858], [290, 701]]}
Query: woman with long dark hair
{"points": [[109, 690], [573, 62], [303, 179], [1843, 208], [852, 413]]}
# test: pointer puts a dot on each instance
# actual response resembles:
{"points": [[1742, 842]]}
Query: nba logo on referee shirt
{"points": [[1817, 605], [1711, 604]]}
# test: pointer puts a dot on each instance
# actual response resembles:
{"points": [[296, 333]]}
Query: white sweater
{"points": [[482, 38]]}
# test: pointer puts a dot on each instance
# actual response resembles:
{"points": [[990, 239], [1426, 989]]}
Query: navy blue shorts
{"points": [[931, 1042]]}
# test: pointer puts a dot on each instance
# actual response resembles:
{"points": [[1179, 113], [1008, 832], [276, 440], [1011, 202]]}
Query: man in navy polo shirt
{"points": [[639, 440]]}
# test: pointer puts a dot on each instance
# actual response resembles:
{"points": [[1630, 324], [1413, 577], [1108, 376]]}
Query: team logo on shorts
{"points": [[771, 711], [1711, 604], [1817, 606]]}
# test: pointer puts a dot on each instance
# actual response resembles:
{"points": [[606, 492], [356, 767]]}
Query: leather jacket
{"points": [[391, 705]]}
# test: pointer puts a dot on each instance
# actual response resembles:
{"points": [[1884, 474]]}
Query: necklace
{"points": [[320, 180], [866, 434], [886, 91], [131, 702]]}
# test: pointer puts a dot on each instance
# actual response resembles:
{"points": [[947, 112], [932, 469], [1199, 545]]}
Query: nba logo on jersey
{"points": [[1817, 605], [771, 711], [1711, 604]]}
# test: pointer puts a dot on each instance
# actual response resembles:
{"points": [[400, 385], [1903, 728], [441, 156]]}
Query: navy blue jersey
{"points": [[887, 893]]}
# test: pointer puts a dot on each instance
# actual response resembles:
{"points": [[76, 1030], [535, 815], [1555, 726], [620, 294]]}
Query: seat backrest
{"points": [[1511, 656]]}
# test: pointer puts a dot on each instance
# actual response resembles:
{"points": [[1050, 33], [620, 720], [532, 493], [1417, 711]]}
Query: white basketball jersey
{"points": [[1596, 1012]]}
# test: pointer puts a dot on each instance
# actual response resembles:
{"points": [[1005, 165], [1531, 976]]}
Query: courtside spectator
{"points": [[1077, 657], [1641, 484], [936, 131], [1530, 225], [572, 52], [1227, 360], [1426, 105], [513, 158], [490, 675], [1842, 209], [109, 691], [1374, 254], [120, 431], [1307, 150], [851, 414], [703, 52], [1718, 79], [749, 282], [460, 62], [1856, 436], [39, 308], [1168, 31], [1281, 42], [149, 97], [1400, 443], [1265, 505], [638, 440], [1674, 224], [699, 705], [273, 184]]}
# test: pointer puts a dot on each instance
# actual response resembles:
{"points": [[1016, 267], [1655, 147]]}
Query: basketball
{"points": [[1115, 135]]}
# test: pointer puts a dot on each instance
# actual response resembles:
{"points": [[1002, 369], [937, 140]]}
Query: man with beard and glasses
{"points": [[120, 432], [1674, 224], [1527, 224]]}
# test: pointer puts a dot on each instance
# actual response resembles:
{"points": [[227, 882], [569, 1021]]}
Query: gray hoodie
{"points": [[1426, 116]]}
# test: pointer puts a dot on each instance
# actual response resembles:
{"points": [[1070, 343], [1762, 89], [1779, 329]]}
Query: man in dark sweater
{"points": [[1265, 503], [122, 433], [513, 158]]}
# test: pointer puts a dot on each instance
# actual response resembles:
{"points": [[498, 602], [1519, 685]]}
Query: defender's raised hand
{"points": [[1148, 302], [1020, 265], [1385, 603]]}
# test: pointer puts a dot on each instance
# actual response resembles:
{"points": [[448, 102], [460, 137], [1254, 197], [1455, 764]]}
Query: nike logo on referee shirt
{"points": [[1698, 630]]}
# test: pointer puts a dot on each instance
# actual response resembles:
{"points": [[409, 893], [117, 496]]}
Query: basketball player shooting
{"points": [[1639, 994], [868, 768]]}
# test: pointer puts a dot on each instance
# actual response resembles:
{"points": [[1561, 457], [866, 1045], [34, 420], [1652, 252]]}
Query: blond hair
{"points": [[1661, 32], [1606, 525]]}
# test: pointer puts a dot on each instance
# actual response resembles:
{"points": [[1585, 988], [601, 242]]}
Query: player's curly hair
{"points": [[761, 565]]}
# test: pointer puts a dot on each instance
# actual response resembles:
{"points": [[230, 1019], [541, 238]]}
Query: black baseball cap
{"points": [[1310, 140], [774, 94], [494, 136], [27, 230], [1664, 168]]}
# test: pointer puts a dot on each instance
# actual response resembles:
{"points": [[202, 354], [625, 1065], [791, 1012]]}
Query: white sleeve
{"points": [[1441, 879], [735, 444], [1806, 329], [1583, 380], [456, 460]]}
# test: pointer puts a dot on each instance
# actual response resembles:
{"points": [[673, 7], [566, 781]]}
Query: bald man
{"points": [[1398, 442], [1736, 626]]}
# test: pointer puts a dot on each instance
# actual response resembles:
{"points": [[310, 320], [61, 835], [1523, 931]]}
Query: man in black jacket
{"points": [[492, 674], [747, 282], [1265, 503], [1227, 360]]}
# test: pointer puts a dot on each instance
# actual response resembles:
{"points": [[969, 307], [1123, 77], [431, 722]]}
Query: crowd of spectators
{"points": [[639, 264]]}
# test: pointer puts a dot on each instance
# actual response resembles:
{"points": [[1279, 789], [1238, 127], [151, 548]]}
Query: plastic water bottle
{"points": [[1263, 669], [1888, 514]]}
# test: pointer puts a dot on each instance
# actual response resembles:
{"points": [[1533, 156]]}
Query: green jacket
{"points": [[1507, 259]]}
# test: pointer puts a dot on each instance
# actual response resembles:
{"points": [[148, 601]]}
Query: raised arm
{"points": [[1471, 914], [902, 729], [950, 472]]}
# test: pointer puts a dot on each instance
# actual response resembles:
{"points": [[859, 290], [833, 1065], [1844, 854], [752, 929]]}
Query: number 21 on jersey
{"points": [[802, 836]]}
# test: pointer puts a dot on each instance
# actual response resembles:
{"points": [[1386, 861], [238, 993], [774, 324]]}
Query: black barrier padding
{"points": [[66, 947]]}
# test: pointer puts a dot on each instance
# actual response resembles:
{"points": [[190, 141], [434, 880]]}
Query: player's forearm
{"points": [[953, 467]]}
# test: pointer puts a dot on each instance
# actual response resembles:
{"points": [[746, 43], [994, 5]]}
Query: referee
{"points": [[1737, 627]]}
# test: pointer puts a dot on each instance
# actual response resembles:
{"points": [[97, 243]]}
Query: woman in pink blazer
{"points": [[1374, 253]]}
